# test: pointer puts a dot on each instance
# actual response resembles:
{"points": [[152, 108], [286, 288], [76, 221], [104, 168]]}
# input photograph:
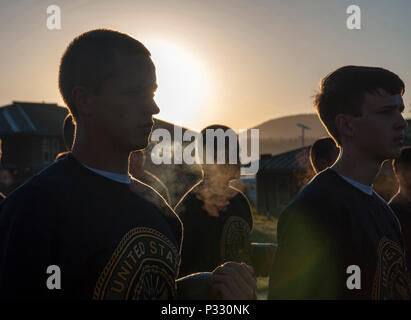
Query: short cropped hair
{"points": [[403, 162], [342, 92], [323, 151], [89, 60]]}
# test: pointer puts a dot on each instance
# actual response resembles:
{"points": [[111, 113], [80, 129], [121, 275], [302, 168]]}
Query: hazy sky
{"points": [[233, 62]]}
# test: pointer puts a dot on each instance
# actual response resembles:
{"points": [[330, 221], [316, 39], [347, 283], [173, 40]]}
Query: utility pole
{"points": [[303, 127]]}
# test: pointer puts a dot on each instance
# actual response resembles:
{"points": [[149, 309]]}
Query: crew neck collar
{"points": [[117, 177], [362, 187]]}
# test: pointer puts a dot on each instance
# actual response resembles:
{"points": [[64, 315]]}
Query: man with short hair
{"points": [[401, 202], [338, 239], [216, 216], [100, 233], [323, 154]]}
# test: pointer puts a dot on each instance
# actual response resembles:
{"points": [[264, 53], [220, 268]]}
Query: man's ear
{"points": [[344, 125], [82, 99]]}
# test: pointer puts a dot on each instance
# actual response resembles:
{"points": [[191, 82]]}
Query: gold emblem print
{"points": [[143, 267], [391, 278], [234, 240]]}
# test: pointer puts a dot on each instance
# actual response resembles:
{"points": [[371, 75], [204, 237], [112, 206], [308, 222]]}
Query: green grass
{"points": [[264, 229]]}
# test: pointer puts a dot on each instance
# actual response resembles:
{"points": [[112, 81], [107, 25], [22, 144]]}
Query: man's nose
{"points": [[151, 108], [402, 123]]}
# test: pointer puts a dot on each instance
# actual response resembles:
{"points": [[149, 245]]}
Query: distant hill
{"points": [[282, 134], [286, 127]]}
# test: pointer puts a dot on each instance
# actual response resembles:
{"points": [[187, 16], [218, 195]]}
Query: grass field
{"points": [[264, 230]]}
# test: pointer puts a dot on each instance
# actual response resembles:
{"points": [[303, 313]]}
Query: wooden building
{"points": [[280, 178], [31, 134]]}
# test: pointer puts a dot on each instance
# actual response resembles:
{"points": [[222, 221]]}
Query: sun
{"points": [[183, 83]]}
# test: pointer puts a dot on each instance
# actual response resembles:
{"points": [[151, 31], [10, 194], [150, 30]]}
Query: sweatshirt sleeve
{"points": [[26, 245]]}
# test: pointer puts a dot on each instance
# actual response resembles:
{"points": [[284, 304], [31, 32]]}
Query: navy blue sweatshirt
{"points": [[216, 228], [110, 240], [330, 226]]}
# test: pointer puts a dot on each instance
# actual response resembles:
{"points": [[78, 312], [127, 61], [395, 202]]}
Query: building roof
{"points": [[32, 118], [45, 119], [294, 159]]}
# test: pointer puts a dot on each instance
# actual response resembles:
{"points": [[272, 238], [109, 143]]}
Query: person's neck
{"points": [[98, 153], [357, 167]]}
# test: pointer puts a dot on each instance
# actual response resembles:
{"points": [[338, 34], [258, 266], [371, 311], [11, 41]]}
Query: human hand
{"points": [[234, 281]]}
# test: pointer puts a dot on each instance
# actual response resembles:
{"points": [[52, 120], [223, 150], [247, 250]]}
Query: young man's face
{"points": [[126, 103], [379, 132]]}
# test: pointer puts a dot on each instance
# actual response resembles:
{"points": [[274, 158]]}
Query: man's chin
{"points": [[139, 146]]}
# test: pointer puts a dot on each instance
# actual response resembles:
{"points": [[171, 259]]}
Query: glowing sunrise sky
{"points": [[233, 62]]}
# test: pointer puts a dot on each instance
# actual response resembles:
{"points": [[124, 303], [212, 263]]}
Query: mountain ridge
{"points": [[286, 127]]}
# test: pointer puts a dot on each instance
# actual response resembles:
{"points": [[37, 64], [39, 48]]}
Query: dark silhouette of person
{"points": [[401, 202], [323, 154], [338, 239], [216, 216], [83, 225], [137, 160]]}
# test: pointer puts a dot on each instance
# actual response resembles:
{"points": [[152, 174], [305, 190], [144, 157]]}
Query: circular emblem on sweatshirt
{"points": [[234, 240], [143, 267], [391, 278]]}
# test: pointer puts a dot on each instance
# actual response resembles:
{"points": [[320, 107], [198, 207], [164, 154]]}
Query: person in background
{"points": [[323, 154], [216, 217]]}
